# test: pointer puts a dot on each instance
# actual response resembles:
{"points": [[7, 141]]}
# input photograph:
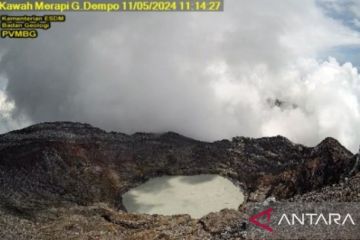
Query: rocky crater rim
{"points": [[51, 163], [78, 128]]}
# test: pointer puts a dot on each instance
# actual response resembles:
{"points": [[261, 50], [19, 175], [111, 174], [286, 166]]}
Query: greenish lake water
{"points": [[194, 195]]}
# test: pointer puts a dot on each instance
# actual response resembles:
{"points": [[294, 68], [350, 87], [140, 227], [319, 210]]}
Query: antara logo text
{"points": [[316, 219], [302, 219]]}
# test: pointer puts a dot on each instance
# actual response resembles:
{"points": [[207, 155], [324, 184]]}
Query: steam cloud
{"points": [[254, 70]]}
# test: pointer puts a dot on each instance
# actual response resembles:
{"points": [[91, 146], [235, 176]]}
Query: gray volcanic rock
{"points": [[348, 190], [49, 171]]}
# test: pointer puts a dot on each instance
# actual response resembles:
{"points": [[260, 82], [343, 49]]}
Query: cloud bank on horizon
{"points": [[261, 68]]}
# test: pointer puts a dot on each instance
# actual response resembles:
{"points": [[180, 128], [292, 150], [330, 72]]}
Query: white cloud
{"points": [[328, 98], [5, 106], [206, 75], [320, 99], [7, 122]]}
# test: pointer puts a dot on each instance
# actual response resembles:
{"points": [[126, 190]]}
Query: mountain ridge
{"points": [[72, 165]]}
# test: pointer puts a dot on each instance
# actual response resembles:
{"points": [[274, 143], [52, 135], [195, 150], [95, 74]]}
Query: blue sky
{"points": [[347, 12]]}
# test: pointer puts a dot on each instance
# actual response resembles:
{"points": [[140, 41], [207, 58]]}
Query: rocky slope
{"points": [[65, 180]]}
